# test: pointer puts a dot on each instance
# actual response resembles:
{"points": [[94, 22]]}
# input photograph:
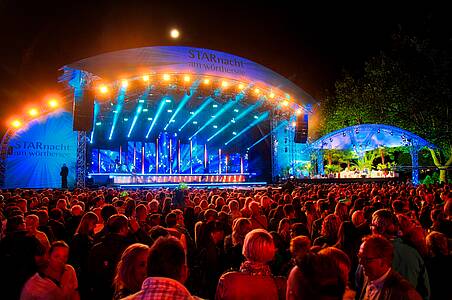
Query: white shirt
{"points": [[373, 289]]}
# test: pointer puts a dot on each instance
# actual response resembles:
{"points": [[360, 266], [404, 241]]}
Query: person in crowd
{"points": [[81, 244], [104, 257], [131, 270], [254, 280], [57, 281], [329, 233], [233, 243], [257, 219], [32, 224], [21, 256], [167, 272], [406, 260], [438, 260], [381, 281]]}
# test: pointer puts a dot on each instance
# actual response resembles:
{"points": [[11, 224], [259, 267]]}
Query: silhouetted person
{"points": [[63, 173]]}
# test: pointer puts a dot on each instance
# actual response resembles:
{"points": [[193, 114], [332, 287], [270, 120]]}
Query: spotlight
{"points": [[294, 124], [298, 112], [53, 103], [285, 103], [224, 84], [241, 86], [145, 78], [103, 89], [33, 112], [16, 123], [166, 77], [187, 78], [124, 83], [206, 81], [271, 95], [257, 91]]}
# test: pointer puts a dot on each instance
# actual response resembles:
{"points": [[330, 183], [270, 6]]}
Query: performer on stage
{"points": [[63, 173]]}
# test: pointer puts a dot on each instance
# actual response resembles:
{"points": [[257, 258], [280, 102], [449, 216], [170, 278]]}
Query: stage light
{"points": [[169, 110], [285, 103], [257, 91], [103, 89], [215, 105], [261, 118], [215, 126], [149, 119], [224, 84], [124, 83], [203, 105], [168, 100], [234, 133], [145, 109], [241, 86], [294, 124], [33, 112], [145, 78], [187, 78], [53, 103], [271, 95], [166, 77], [206, 81], [298, 112], [16, 123], [195, 122], [174, 33], [256, 117], [98, 123]]}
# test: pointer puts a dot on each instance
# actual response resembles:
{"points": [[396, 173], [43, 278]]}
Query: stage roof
{"points": [[114, 66], [366, 137]]}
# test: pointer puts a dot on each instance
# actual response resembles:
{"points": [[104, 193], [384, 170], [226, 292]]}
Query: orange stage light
{"points": [[187, 78], [166, 77], [285, 103], [206, 81], [124, 83], [16, 123], [53, 103], [33, 112], [103, 89], [145, 78], [241, 86], [224, 84]]}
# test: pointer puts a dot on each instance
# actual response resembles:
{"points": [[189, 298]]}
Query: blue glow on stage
{"points": [[261, 118], [199, 110], [117, 111], [157, 114]]}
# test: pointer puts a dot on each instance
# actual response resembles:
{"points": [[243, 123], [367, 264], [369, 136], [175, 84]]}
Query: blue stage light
{"points": [[240, 116], [96, 113], [184, 101], [203, 105], [120, 101], [220, 112], [157, 114], [283, 123], [261, 118]]}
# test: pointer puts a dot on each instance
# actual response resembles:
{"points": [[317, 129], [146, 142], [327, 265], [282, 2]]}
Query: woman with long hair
{"points": [[131, 270], [81, 244]]}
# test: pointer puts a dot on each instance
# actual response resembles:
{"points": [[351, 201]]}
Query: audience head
{"points": [[258, 246], [437, 244], [299, 247], [167, 259], [87, 223], [240, 227], [384, 222], [118, 224], [58, 255], [375, 255], [132, 268]]}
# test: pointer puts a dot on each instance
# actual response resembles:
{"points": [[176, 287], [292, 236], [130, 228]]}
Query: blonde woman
{"points": [[254, 280], [131, 270]]}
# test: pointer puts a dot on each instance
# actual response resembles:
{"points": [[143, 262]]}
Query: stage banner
{"points": [[37, 153]]}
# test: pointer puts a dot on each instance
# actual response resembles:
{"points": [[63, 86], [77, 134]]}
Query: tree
{"points": [[407, 87]]}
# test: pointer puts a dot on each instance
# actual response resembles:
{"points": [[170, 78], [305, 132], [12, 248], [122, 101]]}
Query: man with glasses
{"points": [[381, 282], [406, 260]]}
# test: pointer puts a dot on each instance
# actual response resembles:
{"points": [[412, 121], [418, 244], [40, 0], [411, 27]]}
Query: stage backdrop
{"points": [[36, 154]]}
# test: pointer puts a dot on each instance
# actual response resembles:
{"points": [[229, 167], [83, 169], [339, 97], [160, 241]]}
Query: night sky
{"points": [[308, 45]]}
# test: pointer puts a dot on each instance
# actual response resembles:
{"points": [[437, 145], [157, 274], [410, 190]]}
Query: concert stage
{"points": [[168, 114]]}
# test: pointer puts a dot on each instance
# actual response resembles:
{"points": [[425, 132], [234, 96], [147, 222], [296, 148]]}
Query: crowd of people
{"points": [[297, 241]]}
